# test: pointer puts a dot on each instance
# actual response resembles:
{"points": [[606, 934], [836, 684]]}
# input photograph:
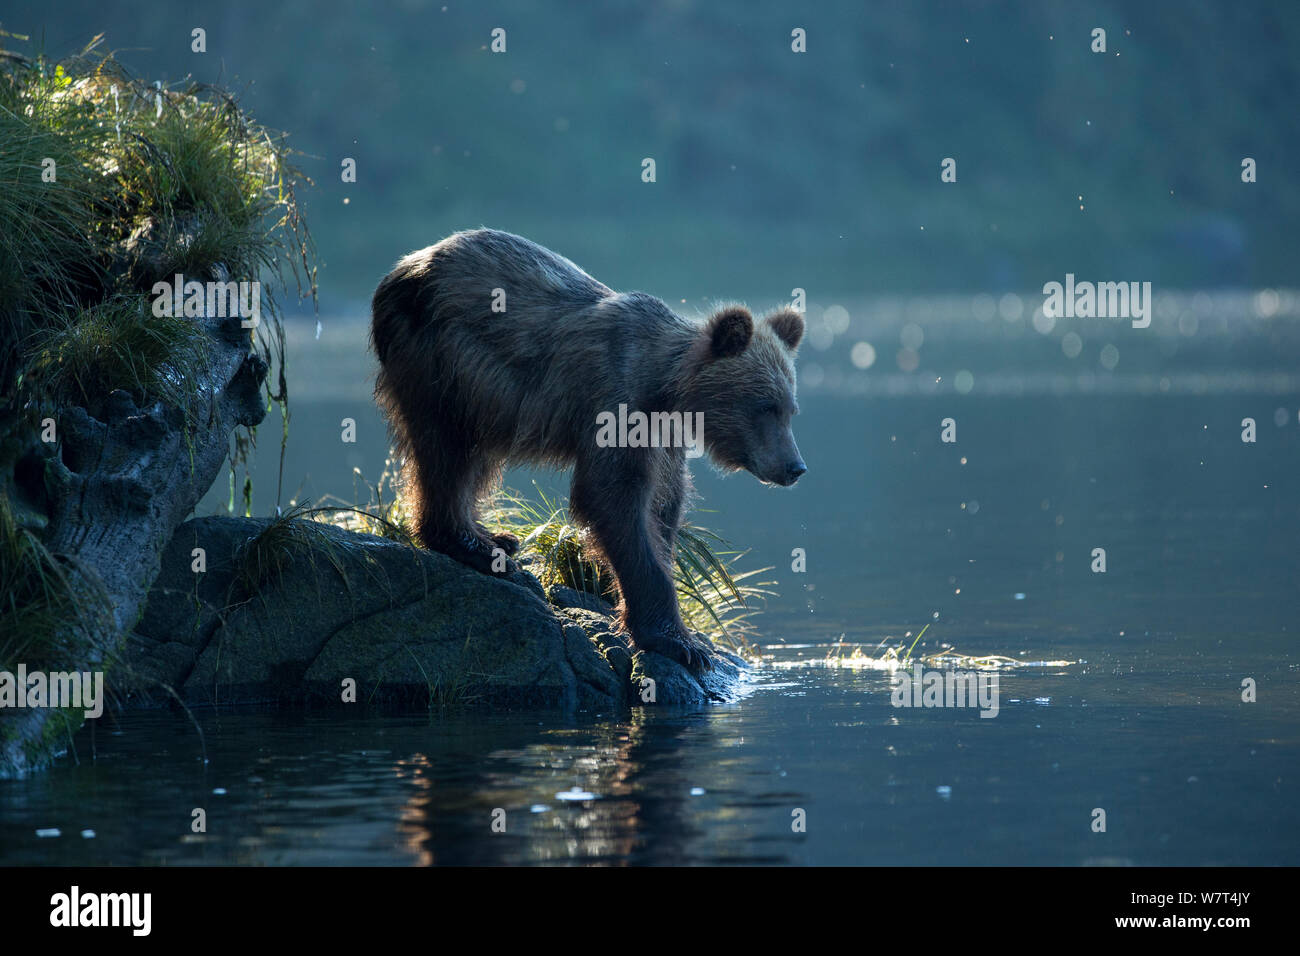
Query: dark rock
{"points": [[566, 597], [410, 627]]}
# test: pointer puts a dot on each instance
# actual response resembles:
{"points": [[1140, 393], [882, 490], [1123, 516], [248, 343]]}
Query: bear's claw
{"points": [[676, 643], [479, 553]]}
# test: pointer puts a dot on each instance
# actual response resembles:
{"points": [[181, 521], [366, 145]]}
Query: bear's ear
{"points": [[729, 330], [788, 326]]}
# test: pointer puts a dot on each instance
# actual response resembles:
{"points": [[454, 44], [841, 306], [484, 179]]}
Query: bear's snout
{"points": [[792, 472], [784, 475]]}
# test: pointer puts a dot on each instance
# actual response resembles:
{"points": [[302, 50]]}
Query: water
{"points": [[989, 540]]}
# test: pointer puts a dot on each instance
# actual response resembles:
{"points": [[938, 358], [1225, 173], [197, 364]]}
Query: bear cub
{"points": [[495, 351]]}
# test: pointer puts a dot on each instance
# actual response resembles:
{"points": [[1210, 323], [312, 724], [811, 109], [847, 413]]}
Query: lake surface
{"points": [[989, 540]]}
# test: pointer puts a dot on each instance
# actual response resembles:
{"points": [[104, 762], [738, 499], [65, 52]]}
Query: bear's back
{"points": [[519, 265]]}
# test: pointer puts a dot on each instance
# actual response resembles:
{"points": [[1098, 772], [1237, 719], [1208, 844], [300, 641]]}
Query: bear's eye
{"points": [[769, 408]]}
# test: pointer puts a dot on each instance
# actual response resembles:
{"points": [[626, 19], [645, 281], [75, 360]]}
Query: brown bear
{"points": [[494, 350]]}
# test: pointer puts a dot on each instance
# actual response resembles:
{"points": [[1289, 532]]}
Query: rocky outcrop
{"points": [[118, 486], [406, 627]]}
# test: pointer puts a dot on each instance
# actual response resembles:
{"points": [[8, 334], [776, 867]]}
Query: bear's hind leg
{"points": [[448, 480], [484, 478]]}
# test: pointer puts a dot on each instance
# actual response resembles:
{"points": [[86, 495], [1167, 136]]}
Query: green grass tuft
{"points": [[36, 598], [263, 558], [384, 513], [118, 344], [715, 597]]}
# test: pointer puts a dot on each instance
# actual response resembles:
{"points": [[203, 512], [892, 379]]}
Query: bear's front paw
{"points": [[673, 641], [482, 554], [507, 542]]}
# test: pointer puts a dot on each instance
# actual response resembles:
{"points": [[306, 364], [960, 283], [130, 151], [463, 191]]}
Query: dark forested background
{"points": [[774, 169]]}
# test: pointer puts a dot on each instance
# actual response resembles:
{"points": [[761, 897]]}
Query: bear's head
{"points": [[742, 379]]}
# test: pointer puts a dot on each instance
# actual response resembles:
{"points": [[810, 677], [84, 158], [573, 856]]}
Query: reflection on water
{"points": [[989, 540], [1186, 777]]}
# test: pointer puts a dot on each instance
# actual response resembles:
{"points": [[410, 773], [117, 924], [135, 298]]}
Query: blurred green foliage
{"points": [[774, 169]]}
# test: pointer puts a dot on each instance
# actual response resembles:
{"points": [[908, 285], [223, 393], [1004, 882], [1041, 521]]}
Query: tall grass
{"points": [[36, 597], [383, 512], [108, 185]]}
